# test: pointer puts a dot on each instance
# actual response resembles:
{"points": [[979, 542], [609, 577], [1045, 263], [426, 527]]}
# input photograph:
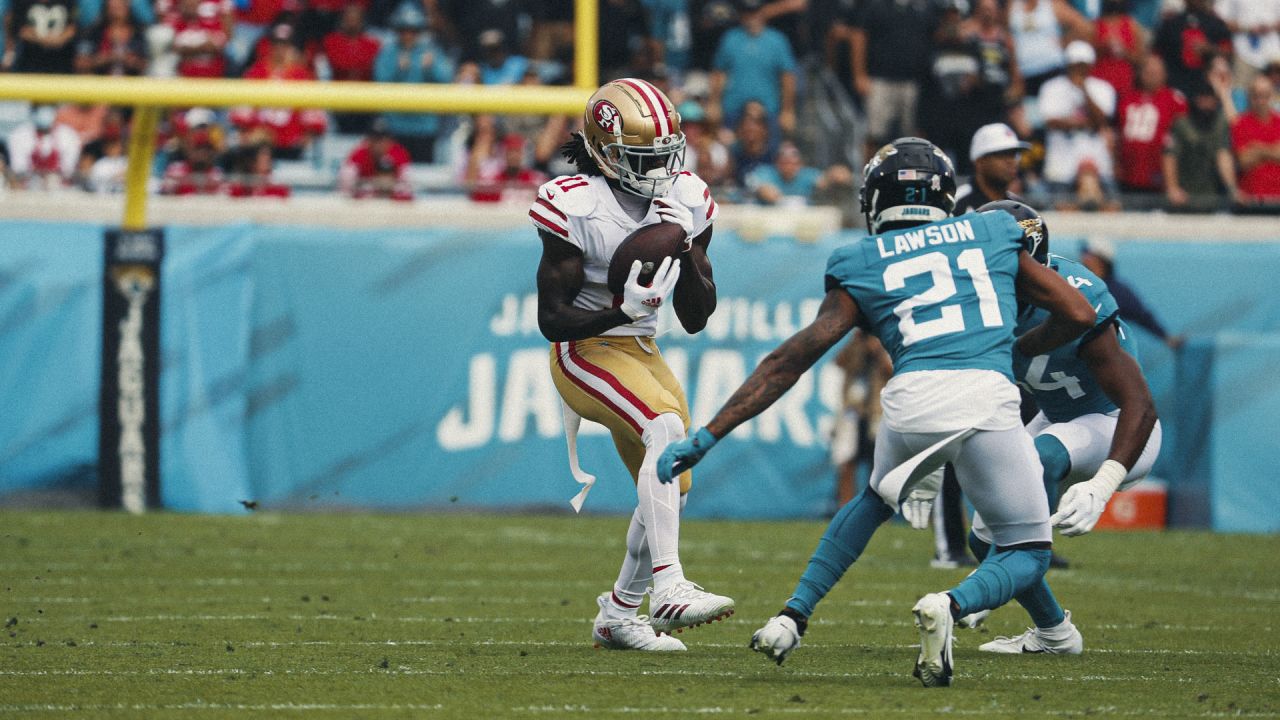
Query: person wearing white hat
{"points": [[994, 152], [1077, 111]]}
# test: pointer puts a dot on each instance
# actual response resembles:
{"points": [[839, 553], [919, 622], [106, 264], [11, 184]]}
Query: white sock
{"points": [[635, 573], [1061, 631], [666, 577], [659, 506]]}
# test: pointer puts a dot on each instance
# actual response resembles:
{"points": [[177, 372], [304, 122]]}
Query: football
{"points": [[648, 244]]}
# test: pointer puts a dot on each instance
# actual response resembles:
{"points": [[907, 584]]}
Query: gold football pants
{"points": [[621, 383]]}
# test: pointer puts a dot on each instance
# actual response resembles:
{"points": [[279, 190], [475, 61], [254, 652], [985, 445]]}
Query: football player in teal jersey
{"points": [[1096, 431], [941, 294]]}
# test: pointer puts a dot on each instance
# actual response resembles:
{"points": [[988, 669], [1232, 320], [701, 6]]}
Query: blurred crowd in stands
{"points": [[1123, 103]]}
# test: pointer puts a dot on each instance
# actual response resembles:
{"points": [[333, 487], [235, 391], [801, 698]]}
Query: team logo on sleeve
{"points": [[607, 116]]}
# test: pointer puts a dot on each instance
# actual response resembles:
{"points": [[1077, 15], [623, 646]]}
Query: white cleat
{"points": [[933, 618], [684, 605], [1033, 641], [777, 638], [629, 633], [973, 620]]}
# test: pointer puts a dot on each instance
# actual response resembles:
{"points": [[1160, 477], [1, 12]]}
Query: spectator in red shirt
{"points": [[1144, 117], [1121, 42], [350, 52], [377, 168], [195, 172], [508, 178], [200, 32], [349, 49], [1255, 139], [253, 174], [288, 131]]}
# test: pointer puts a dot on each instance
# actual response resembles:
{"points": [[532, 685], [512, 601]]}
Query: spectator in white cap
{"points": [[1077, 111], [994, 151]]}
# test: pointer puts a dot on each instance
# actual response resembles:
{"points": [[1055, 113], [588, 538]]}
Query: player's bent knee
{"points": [[662, 430]]}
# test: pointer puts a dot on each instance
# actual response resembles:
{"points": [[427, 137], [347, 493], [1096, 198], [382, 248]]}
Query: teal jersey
{"points": [[1060, 381], [939, 296]]}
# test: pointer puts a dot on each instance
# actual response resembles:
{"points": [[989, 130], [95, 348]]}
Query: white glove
{"points": [[777, 638], [640, 302], [680, 214], [918, 505], [1082, 504], [917, 508]]}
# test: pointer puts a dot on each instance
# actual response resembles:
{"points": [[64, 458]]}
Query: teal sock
{"points": [[1037, 600], [1057, 464], [1041, 605], [1001, 576], [845, 539]]}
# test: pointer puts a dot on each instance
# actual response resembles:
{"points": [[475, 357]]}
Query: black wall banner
{"points": [[129, 403]]}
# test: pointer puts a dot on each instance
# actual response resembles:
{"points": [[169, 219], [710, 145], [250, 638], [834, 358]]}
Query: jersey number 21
{"points": [[951, 317]]}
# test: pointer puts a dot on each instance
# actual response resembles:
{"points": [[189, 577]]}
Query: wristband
{"points": [[1110, 475]]}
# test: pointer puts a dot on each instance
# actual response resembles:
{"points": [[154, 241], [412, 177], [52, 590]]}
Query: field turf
{"points": [[483, 616]]}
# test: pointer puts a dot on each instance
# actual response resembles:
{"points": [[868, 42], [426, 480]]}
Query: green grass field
{"points": [[481, 616]]}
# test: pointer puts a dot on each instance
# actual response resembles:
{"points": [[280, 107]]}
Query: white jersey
{"points": [[583, 211]]}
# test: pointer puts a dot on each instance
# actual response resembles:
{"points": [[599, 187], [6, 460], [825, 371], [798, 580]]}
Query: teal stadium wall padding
{"points": [[317, 368]]}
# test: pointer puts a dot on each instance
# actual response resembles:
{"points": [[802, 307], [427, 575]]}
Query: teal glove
{"points": [[680, 456]]}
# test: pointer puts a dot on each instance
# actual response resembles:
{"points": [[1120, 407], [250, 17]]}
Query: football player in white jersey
{"points": [[604, 358]]}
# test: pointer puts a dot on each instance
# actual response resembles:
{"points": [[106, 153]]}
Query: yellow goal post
{"points": [[148, 95]]}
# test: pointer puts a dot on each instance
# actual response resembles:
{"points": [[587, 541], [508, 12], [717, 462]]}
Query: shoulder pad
{"points": [[690, 190], [573, 195]]}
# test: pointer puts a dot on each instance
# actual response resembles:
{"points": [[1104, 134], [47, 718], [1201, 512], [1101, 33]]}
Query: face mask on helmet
{"points": [[907, 182], [1035, 231], [643, 171]]}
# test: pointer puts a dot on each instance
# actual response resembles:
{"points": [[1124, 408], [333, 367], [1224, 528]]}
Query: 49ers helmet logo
{"points": [[607, 116]]}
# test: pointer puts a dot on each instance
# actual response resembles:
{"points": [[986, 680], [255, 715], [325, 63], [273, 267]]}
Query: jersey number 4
{"points": [[1036, 380], [951, 317]]}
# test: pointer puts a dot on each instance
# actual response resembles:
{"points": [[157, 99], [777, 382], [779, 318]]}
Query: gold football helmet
{"points": [[632, 131]]}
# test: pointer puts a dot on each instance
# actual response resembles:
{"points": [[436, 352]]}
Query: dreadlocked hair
{"points": [[575, 151]]}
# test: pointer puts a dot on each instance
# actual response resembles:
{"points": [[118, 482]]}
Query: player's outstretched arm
{"points": [[780, 369], [560, 278], [1070, 315], [695, 296], [774, 376], [1121, 379]]}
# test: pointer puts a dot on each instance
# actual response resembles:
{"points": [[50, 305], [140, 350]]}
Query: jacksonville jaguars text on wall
{"points": [[510, 396]]}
